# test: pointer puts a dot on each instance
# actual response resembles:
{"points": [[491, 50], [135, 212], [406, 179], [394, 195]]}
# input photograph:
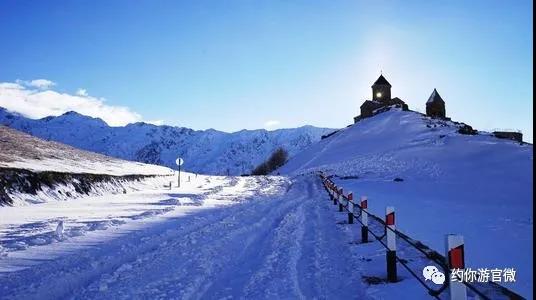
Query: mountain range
{"points": [[204, 151]]}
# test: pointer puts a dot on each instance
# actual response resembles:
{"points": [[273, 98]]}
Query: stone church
{"points": [[381, 101], [435, 106], [381, 98]]}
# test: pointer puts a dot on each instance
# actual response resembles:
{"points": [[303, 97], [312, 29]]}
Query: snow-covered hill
{"points": [[209, 151], [33, 170], [22, 151], [476, 185]]}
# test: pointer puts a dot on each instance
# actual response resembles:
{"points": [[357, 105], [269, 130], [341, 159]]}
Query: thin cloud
{"points": [[271, 123], [155, 122], [33, 100], [82, 92], [42, 84]]}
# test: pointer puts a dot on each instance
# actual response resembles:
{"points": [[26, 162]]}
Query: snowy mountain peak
{"points": [[71, 113], [204, 151], [74, 117]]}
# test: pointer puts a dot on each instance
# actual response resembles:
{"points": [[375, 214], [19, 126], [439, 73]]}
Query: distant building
{"points": [[368, 107], [510, 135], [381, 99], [435, 106], [381, 90]]}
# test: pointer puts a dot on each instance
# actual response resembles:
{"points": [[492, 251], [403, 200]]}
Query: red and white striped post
{"points": [[351, 208], [391, 243], [340, 199], [456, 260], [364, 219]]}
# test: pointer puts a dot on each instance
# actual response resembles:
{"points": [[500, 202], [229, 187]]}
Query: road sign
{"points": [[179, 161]]}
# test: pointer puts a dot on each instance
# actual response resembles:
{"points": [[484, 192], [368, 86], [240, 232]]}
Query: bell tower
{"points": [[381, 90], [381, 100]]}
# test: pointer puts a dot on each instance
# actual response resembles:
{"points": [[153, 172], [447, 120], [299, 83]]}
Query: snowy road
{"points": [[272, 239]]}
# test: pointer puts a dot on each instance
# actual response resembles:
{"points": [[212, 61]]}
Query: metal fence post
{"points": [[456, 260], [350, 208], [364, 219], [340, 200], [391, 243], [334, 195]]}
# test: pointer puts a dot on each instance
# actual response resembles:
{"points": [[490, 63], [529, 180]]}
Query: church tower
{"points": [[435, 106], [381, 90], [381, 100]]}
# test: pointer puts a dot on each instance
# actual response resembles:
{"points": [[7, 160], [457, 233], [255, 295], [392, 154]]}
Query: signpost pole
{"points": [[179, 163]]}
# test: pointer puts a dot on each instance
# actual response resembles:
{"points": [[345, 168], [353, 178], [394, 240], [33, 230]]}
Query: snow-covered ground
{"points": [[23, 151], [212, 238], [23, 227], [477, 186]]}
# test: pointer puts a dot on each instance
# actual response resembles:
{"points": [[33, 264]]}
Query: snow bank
{"points": [[36, 171]]}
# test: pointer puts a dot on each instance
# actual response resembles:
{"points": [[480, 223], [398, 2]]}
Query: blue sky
{"points": [[231, 65]]}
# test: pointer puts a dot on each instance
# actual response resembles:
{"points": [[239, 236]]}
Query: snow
{"points": [[207, 152], [212, 238], [477, 186], [278, 237], [215, 237], [116, 168], [25, 224], [23, 151]]}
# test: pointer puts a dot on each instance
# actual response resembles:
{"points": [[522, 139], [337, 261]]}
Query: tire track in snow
{"points": [[51, 282], [267, 282], [190, 276], [238, 243], [266, 246], [330, 262], [231, 282], [311, 265]]}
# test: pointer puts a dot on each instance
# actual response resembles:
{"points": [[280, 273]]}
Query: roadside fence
{"points": [[388, 237]]}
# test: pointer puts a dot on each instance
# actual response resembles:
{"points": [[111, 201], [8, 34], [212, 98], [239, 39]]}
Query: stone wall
{"points": [[510, 135], [435, 110]]}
